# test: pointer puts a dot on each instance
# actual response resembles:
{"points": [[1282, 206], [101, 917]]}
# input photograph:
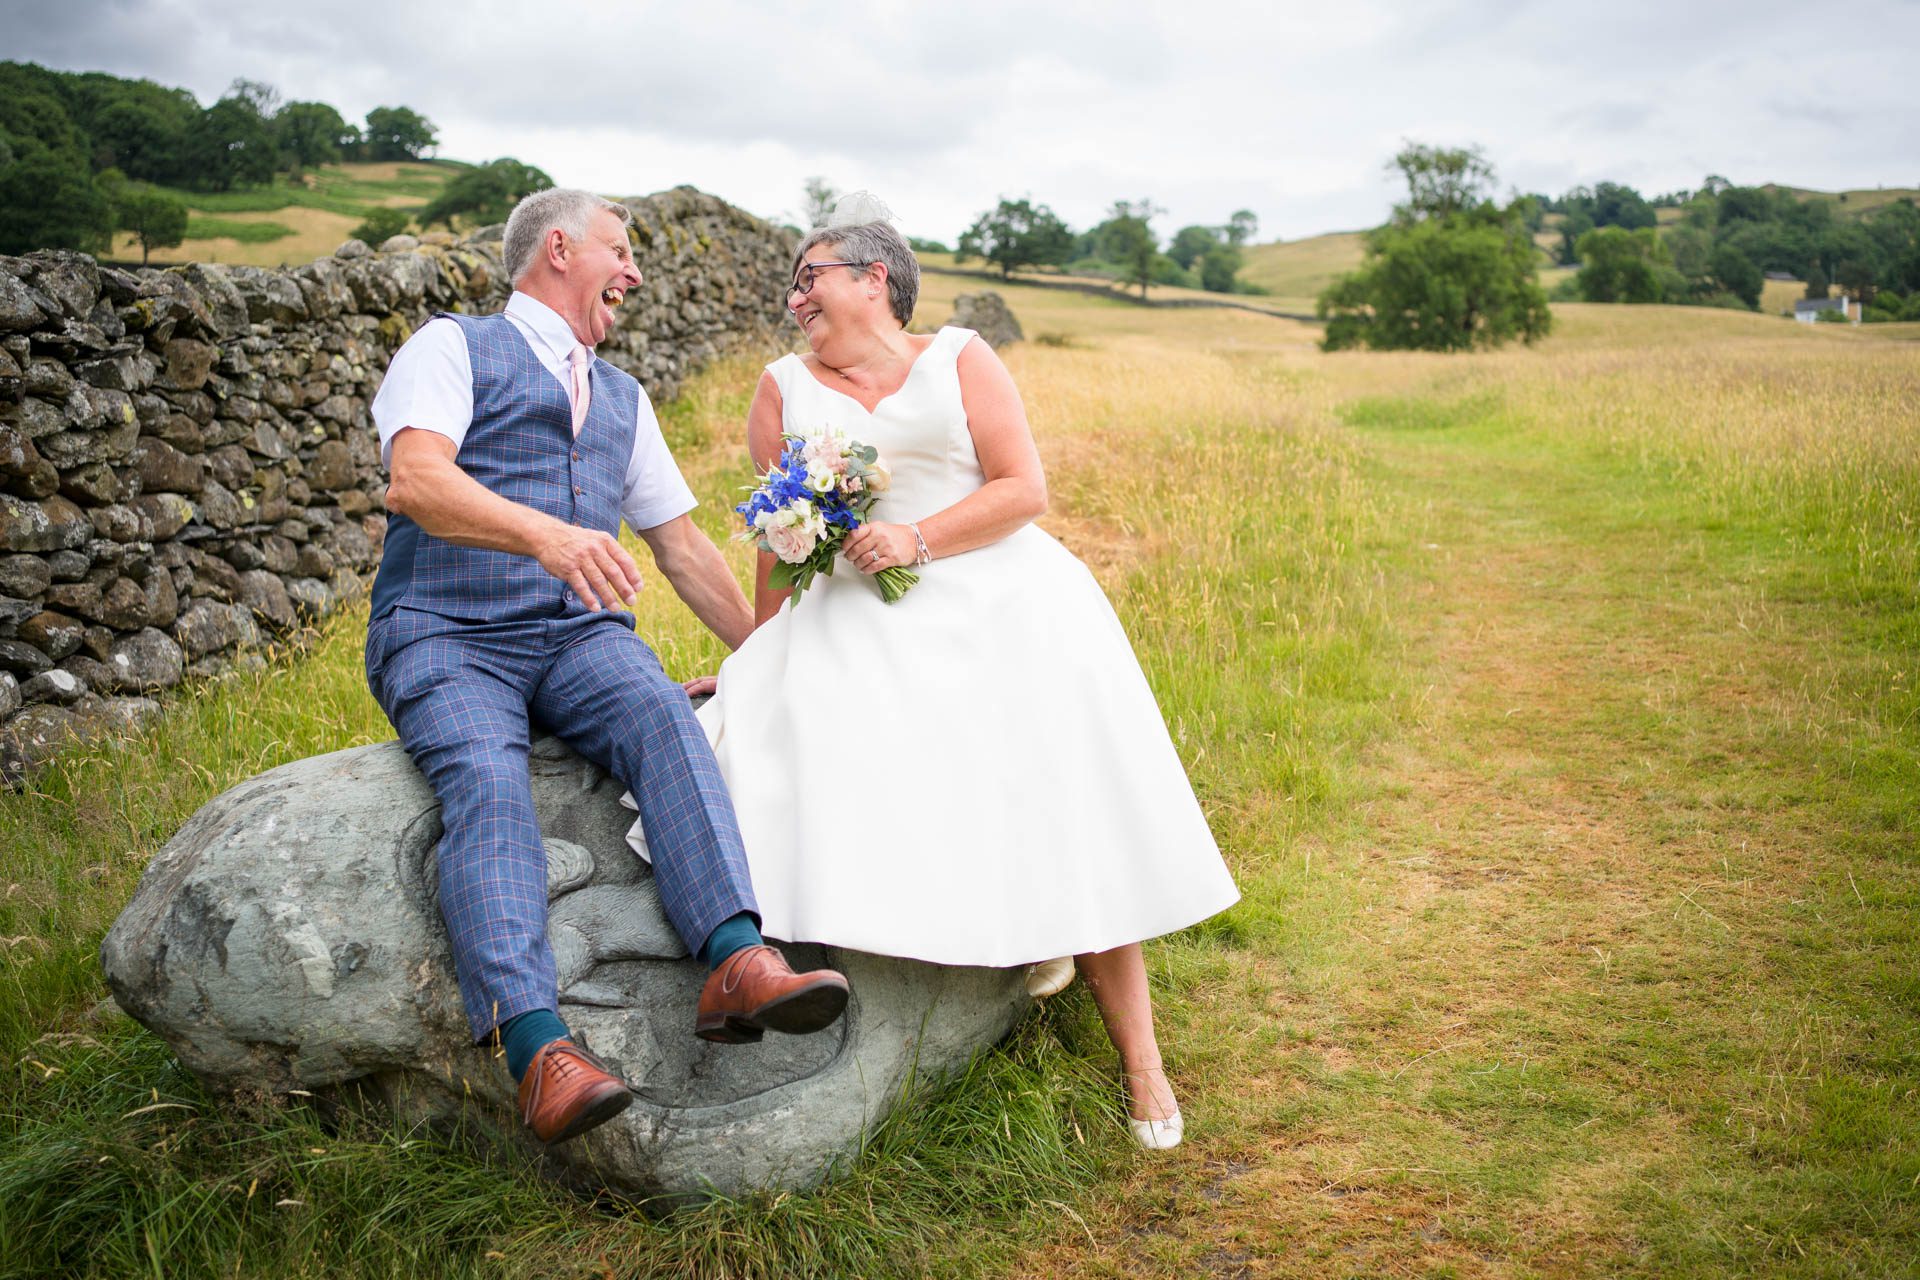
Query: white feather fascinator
{"points": [[856, 209]]}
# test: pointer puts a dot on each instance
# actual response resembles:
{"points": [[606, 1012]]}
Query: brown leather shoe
{"points": [[754, 990], [568, 1091]]}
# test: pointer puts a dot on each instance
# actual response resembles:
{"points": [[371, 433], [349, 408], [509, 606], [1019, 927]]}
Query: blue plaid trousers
{"points": [[463, 695]]}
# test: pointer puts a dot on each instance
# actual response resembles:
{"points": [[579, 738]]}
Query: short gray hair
{"points": [[567, 208], [867, 243]]}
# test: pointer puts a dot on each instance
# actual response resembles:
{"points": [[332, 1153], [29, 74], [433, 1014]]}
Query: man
{"points": [[513, 455]]}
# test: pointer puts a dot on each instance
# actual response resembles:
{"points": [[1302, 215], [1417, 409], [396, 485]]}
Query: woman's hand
{"points": [[873, 547], [700, 685]]}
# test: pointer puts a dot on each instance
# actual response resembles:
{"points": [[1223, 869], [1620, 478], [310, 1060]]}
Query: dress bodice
{"points": [[920, 430]]}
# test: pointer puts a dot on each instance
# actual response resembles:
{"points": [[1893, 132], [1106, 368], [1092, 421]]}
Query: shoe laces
{"points": [[567, 1061]]}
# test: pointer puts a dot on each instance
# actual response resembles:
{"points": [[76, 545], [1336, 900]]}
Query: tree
{"points": [[157, 220], [380, 225], [1617, 265], [1733, 271], [1449, 282], [1015, 234], [230, 145], [817, 199], [1441, 181], [1126, 239], [311, 134], [1190, 244], [1689, 247], [1615, 205], [399, 133], [1241, 227], [262, 97], [485, 194], [1853, 276], [48, 200], [1816, 282], [142, 130], [1218, 267]]}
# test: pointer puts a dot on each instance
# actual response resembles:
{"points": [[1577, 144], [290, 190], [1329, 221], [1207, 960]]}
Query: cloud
{"points": [[1206, 107]]}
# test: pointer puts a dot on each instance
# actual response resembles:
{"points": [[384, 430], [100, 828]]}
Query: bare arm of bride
{"points": [[1015, 492], [763, 446]]}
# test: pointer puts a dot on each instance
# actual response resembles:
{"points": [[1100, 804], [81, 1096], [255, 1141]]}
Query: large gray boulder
{"points": [[288, 937], [987, 314]]}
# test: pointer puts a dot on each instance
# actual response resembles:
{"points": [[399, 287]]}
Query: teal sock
{"points": [[526, 1034], [735, 933]]}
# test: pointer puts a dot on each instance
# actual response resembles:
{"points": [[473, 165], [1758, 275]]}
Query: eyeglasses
{"points": [[803, 279]]}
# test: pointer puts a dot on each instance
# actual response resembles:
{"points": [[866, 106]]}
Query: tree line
{"points": [[1020, 235], [83, 154], [1725, 240]]}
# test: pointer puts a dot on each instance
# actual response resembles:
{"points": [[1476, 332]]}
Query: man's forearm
{"points": [[701, 578], [445, 501]]}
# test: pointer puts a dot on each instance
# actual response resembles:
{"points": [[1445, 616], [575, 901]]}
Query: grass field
{"points": [[1295, 271], [288, 222], [1556, 709]]}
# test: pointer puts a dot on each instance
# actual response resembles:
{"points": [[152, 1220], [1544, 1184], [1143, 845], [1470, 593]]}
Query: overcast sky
{"points": [[1203, 106]]}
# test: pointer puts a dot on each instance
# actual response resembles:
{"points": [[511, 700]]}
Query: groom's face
{"points": [[599, 272]]}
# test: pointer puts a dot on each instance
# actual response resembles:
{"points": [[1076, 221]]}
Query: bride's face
{"points": [[826, 291]]}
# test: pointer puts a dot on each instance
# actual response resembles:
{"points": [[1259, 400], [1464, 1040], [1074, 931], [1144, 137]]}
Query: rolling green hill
{"points": [[295, 221], [1295, 271]]}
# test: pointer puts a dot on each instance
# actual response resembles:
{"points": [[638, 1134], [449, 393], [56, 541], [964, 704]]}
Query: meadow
{"points": [[1556, 708], [293, 220]]}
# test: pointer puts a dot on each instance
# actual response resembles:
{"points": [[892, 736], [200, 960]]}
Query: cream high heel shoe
{"points": [[1049, 977], [1153, 1135]]}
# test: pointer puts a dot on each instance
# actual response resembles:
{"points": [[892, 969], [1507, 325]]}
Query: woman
{"points": [[976, 774]]}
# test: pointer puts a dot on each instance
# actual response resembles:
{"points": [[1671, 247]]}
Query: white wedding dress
{"points": [[974, 775]]}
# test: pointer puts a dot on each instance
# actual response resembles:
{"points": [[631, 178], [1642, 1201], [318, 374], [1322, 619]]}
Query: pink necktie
{"points": [[581, 389]]}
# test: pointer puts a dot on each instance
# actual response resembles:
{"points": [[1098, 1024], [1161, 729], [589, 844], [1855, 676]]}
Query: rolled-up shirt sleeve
{"points": [[429, 385], [655, 491]]}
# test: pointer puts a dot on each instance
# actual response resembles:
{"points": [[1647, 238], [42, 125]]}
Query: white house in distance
{"points": [[1807, 310]]}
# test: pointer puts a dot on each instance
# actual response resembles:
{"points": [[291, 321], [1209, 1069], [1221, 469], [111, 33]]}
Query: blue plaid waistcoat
{"points": [[521, 446]]}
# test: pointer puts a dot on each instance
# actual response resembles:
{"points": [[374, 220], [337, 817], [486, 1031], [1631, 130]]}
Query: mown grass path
{"points": [[1607, 967]]}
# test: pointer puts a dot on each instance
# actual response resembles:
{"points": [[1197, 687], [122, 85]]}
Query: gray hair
{"points": [[567, 208], [867, 243]]}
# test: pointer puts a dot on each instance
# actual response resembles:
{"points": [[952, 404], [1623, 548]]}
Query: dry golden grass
{"points": [[1295, 271], [316, 233]]}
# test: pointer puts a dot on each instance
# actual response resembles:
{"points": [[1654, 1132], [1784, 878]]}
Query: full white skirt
{"points": [[977, 774]]}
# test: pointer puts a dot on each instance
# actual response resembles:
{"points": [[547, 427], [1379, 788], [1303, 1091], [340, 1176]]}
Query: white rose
{"points": [[879, 476]]}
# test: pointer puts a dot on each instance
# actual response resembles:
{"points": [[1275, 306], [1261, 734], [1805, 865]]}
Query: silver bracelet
{"points": [[922, 556]]}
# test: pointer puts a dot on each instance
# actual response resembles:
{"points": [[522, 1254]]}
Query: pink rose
{"points": [[792, 543]]}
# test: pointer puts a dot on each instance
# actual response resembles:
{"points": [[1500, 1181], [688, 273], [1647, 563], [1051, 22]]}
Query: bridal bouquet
{"points": [[809, 501]]}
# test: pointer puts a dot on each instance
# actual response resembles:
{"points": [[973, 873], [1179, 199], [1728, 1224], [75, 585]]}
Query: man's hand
{"points": [[593, 563], [430, 489]]}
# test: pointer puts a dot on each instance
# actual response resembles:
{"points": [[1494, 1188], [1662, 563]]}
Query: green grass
{"points": [[333, 188], [1298, 270], [203, 228], [1557, 710]]}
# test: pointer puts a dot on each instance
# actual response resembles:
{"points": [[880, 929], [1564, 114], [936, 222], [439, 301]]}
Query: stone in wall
{"points": [[177, 439]]}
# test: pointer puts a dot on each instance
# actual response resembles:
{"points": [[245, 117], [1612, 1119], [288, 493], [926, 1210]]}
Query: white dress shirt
{"points": [[429, 386]]}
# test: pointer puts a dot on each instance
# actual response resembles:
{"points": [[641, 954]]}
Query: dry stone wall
{"points": [[188, 465]]}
